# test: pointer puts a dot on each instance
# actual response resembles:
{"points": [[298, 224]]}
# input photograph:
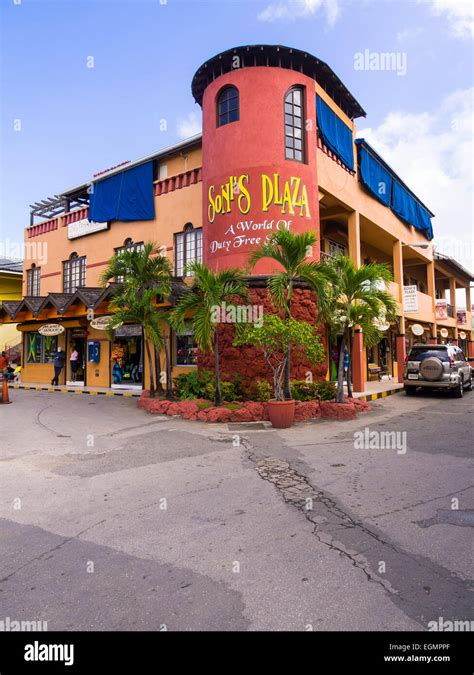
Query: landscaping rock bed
{"points": [[249, 411]]}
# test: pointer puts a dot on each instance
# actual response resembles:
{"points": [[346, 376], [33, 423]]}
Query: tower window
{"points": [[294, 124], [228, 106]]}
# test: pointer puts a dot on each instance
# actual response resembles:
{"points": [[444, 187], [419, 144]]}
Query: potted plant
{"points": [[277, 338]]}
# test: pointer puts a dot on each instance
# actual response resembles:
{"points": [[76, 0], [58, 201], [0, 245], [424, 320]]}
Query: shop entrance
{"points": [[126, 370], [76, 357]]}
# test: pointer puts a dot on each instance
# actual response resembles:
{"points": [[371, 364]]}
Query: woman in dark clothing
{"points": [[58, 363]]}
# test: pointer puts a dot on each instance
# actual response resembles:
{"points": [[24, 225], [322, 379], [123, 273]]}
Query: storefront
{"points": [[76, 353], [126, 357]]}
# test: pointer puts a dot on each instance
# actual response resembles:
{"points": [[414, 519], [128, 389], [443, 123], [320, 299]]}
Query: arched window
{"points": [[74, 273], [33, 280], [227, 106], [187, 247], [294, 124], [128, 245]]}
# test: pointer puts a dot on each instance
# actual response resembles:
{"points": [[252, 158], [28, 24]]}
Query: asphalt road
{"points": [[112, 519]]}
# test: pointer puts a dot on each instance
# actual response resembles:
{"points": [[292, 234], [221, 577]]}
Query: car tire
{"points": [[459, 391], [410, 391], [468, 385]]}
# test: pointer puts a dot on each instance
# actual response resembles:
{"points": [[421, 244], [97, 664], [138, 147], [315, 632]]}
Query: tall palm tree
{"points": [[358, 298], [208, 291], [291, 251], [140, 270]]}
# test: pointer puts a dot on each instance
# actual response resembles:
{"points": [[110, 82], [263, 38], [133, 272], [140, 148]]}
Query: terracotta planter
{"points": [[281, 413]]}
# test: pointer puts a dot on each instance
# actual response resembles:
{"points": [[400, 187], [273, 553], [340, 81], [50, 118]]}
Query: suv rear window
{"points": [[420, 354]]}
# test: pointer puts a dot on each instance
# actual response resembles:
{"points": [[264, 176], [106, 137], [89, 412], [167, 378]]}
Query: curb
{"points": [[60, 390], [380, 394]]}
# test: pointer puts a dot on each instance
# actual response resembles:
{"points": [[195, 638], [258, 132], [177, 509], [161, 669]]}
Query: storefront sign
{"points": [[441, 309], [83, 227], [130, 330], [461, 317], [51, 329], [444, 332], [101, 323], [381, 323], [410, 299], [462, 335], [417, 329]]}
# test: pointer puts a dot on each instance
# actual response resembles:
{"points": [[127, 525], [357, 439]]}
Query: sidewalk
{"points": [[71, 389], [375, 390]]}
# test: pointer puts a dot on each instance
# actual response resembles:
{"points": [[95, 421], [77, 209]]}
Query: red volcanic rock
{"points": [[255, 409], [242, 415], [338, 411], [188, 409], [202, 416], [218, 414], [173, 409], [360, 405], [306, 410]]}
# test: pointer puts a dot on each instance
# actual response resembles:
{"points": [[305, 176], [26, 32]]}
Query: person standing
{"points": [[3, 363], [58, 363], [74, 362]]}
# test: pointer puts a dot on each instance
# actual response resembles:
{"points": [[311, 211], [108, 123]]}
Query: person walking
{"points": [[58, 363], [74, 362]]}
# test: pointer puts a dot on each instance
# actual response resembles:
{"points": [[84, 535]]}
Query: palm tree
{"points": [[140, 270], [291, 251], [208, 291], [357, 299]]}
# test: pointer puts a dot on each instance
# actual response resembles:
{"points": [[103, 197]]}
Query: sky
{"points": [[88, 84]]}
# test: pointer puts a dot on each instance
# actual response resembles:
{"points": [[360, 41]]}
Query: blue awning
{"points": [[375, 177], [125, 196], [376, 174], [335, 134]]}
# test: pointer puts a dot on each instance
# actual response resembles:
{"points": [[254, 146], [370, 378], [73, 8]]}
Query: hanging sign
{"points": [[441, 309], [83, 227], [462, 335], [101, 323], [417, 329], [410, 299], [444, 332], [51, 329]]}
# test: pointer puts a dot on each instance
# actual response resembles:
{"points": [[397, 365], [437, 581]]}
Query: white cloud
{"points": [[409, 34], [189, 126], [458, 13], [432, 153], [300, 9]]}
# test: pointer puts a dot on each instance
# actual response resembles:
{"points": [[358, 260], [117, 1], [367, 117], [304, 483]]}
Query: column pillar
{"points": [[358, 361], [353, 230], [398, 277], [470, 348], [401, 354]]}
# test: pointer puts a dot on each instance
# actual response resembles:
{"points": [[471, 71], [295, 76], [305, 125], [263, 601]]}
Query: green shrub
{"points": [[263, 391], [228, 391], [312, 391], [192, 385]]}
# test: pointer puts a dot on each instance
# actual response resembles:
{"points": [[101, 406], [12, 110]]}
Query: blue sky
{"points": [[75, 120]]}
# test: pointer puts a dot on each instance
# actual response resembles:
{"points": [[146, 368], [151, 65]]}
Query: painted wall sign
{"points": [[417, 329], [51, 329], [410, 299], [461, 317], [441, 309], [101, 323], [82, 228]]}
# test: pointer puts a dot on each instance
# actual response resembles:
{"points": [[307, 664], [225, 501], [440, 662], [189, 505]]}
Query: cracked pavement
{"points": [[112, 519]]}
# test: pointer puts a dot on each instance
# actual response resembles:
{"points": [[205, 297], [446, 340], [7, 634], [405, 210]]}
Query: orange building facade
{"points": [[277, 150]]}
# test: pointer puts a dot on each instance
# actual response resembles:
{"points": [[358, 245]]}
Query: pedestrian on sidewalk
{"points": [[58, 363], [74, 362], [3, 363]]}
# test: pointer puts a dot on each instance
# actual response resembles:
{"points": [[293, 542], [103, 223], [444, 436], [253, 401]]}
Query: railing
{"points": [[326, 256]]}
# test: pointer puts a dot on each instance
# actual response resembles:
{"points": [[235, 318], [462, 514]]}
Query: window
{"points": [[33, 280], [40, 348], [335, 248], [74, 273], [188, 247], [228, 106], [128, 245], [294, 125], [185, 347]]}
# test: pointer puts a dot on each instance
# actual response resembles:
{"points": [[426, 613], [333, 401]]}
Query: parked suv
{"points": [[437, 367]]}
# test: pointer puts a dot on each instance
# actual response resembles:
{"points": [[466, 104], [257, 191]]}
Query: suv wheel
{"points": [[459, 391], [468, 386], [410, 391]]}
